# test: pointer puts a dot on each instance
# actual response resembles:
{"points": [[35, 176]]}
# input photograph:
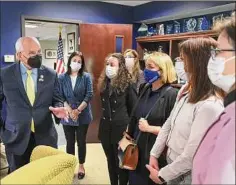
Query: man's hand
{"points": [[143, 125], [60, 112], [153, 162], [153, 174]]}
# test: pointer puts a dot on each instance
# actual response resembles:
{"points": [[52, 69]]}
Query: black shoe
{"points": [[81, 175]]}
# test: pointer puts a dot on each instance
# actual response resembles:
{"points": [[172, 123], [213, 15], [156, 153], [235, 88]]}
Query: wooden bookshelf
{"points": [[168, 42]]}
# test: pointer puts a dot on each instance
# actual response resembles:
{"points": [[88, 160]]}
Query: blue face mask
{"points": [[151, 76]]}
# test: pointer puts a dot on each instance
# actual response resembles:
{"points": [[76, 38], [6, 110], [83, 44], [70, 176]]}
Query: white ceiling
{"points": [[128, 3], [44, 30]]}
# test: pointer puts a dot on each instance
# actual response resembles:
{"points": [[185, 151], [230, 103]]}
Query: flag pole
{"points": [[60, 29]]}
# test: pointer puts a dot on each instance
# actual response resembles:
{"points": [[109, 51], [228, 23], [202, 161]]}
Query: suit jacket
{"points": [[15, 130], [116, 109], [83, 91]]}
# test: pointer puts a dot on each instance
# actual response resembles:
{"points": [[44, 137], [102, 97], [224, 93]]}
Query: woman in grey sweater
{"points": [[198, 104]]}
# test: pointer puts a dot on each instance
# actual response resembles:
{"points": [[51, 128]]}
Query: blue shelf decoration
{"points": [[190, 25], [143, 30], [169, 28], [160, 29], [216, 18], [150, 31], [203, 24], [176, 27]]}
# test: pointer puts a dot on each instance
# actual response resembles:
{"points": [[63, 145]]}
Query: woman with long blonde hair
{"points": [[157, 96], [132, 64], [118, 95]]}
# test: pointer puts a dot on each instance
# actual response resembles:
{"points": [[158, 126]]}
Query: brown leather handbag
{"points": [[128, 152]]}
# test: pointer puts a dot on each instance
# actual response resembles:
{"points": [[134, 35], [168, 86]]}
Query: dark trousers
{"points": [[17, 161], [137, 179], [141, 175], [79, 133], [115, 173]]}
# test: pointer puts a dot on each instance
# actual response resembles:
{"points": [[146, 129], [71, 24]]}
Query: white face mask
{"points": [[215, 69], [129, 63], [75, 66], [111, 72], [179, 68]]}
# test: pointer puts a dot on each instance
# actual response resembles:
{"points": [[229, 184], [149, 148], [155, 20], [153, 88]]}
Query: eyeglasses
{"points": [[216, 51]]}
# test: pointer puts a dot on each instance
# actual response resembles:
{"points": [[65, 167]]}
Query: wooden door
{"points": [[96, 42]]}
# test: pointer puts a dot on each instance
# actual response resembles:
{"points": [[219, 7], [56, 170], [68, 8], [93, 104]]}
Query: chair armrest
{"points": [[42, 151]]}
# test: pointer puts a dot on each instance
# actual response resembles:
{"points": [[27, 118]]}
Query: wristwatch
{"points": [[161, 179]]}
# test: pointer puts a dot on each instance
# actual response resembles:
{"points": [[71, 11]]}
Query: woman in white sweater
{"points": [[198, 104]]}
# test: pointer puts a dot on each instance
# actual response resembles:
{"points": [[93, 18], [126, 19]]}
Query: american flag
{"points": [[60, 60]]}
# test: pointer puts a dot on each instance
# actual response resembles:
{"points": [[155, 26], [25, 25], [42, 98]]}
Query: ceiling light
{"points": [[30, 26]]}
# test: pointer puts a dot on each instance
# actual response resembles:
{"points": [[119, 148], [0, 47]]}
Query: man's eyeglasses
{"points": [[216, 51]]}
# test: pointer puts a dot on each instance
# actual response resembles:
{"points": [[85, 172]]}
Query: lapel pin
{"points": [[41, 78]]}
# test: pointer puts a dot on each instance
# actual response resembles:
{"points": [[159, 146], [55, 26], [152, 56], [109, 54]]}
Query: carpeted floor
{"points": [[95, 166]]}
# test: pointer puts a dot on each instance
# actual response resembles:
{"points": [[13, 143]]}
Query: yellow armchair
{"points": [[47, 166]]}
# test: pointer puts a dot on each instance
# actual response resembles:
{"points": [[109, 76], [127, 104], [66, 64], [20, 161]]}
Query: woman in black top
{"points": [[159, 73], [118, 96]]}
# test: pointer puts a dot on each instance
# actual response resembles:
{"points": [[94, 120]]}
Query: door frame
{"points": [[46, 19]]}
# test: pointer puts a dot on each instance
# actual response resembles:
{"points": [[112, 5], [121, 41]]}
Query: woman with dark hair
{"points": [[214, 161], [198, 103], [118, 95], [77, 91]]}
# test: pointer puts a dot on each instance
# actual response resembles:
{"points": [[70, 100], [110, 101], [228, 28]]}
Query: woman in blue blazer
{"points": [[77, 90]]}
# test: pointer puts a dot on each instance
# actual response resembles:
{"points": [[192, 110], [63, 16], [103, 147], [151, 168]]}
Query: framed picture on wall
{"points": [[71, 42], [50, 53]]}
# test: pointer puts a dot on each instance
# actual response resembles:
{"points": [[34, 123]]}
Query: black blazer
{"points": [[116, 110]]}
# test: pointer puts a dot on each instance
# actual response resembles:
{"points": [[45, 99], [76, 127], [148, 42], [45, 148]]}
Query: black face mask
{"points": [[35, 61]]}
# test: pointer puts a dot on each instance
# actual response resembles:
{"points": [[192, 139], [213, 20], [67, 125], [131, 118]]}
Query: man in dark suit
{"points": [[30, 90]]}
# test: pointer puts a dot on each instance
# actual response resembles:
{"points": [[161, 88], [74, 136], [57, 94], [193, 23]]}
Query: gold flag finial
{"points": [[60, 28]]}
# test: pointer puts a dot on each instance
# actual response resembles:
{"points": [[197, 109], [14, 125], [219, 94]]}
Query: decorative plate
{"points": [[191, 24]]}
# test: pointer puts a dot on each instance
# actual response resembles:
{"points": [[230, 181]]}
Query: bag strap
{"points": [[161, 95], [144, 89]]}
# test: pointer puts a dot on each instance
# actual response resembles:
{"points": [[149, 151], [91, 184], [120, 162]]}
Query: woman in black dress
{"points": [[118, 95], [159, 73]]}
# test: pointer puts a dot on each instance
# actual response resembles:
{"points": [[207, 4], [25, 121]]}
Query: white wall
{"points": [[49, 44], [69, 29], [48, 35]]}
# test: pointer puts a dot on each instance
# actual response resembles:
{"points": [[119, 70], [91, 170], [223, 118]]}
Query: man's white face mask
{"points": [[215, 70]]}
